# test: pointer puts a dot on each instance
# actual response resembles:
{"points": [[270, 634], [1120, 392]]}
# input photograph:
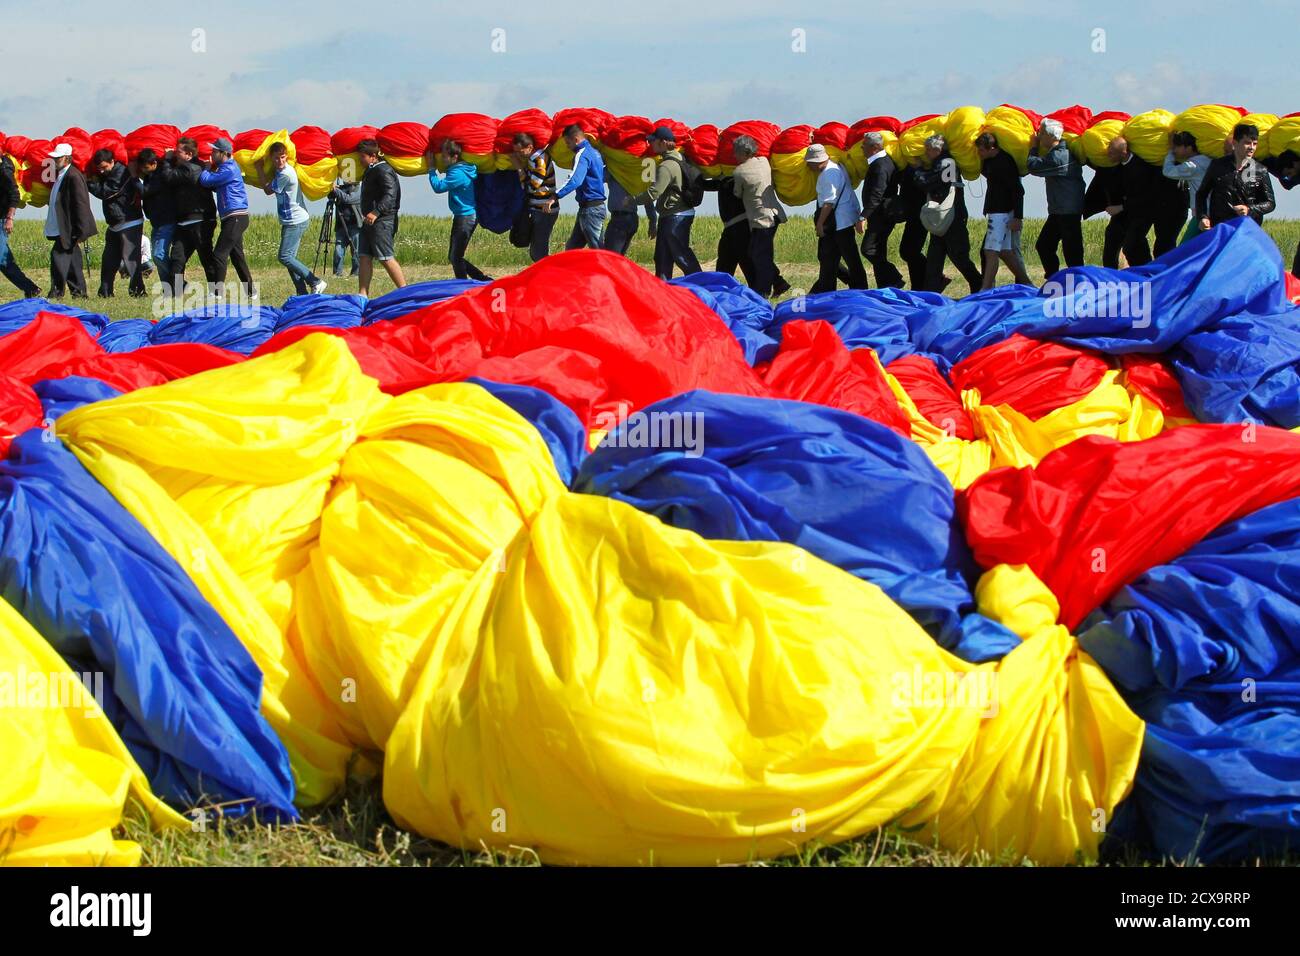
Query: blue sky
{"points": [[340, 64]]}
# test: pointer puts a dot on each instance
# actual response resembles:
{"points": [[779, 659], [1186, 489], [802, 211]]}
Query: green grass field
{"points": [[355, 830], [422, 250]]}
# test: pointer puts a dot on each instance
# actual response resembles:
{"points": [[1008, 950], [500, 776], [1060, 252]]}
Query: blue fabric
{"points": [[60, 395], [400, 302], [842, 487], [1188, 644], [237, 328], [498, 197], [559, 427], [332, 311], [746, 313], [179, 686], [125, 335], [16, 315], [458, 184], [877, 319]]}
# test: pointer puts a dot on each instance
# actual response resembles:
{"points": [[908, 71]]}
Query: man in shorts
{"points": [[381, 197], [1004, 206]]}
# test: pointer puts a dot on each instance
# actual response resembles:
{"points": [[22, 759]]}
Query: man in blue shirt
{"points": [[458, 184], [224, 178], [291, 208], [588, 180]]}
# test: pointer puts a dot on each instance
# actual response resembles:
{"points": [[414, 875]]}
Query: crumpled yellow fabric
{"points": [[963, 125], [856, 163], [1148, 135], [1212, 126], [1264, 122], [633, 173], [1092, 143], [562, 671], [1013, 130], [317, 179], [1284, 135], [911, 145], [794, 180], [255, 164], [1005, 436], [66, 773]]}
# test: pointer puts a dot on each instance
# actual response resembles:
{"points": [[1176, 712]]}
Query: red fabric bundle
{"points": [[1292, 287], [249, 139], [476, 132], [346, 140], [628, 133], [159, 137], [1032, 377], [793, 140], [205, 134], [593, 121], [933, 396], [813, 365], [872, 124], [533, 122], [35, 156], [832, 134], [404, 139], [311, 144], [82, 149], [681, 132], [1109, 115], [908, 124], [761, 131], [702, 150], [1075, 119], [20, 410], [1149, 376], [110, 139], [1097, 513]]}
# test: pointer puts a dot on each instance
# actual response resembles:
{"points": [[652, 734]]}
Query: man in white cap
{"points": [[836, 219], [68, 222]]}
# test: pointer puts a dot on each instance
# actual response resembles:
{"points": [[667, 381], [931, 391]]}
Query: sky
{"points": [[244, 64]]}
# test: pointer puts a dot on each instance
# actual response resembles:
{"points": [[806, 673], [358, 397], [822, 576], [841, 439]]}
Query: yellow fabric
{"points": [[1284, 135], [795, 181], [1095, 140], [1265, 122], [408, 165], [318, 179], [1211, 125], [1148, 135], [350, 167], [561, 155], [963, 125], [634, 173], [67, 774], [1004, 436], [856, 163], [1013, 130], [563, 671], [255, 163], [911, 145]]}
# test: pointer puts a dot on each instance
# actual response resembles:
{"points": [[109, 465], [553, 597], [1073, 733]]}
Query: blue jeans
{"points": [[462, 228], [290, 240], [9, 267], [622, 227], [673, 246], [160, 240], [347, 238], [589, 229]]}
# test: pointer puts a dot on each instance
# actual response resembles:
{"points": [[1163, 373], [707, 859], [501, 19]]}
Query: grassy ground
{"points": [[422, 250], [355, 830]]}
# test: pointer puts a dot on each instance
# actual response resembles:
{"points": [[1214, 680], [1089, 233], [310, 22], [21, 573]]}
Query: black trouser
{"points": [[66, 269], [1065, 229], [733, 251], [122, 247], [1136, 248], [912, 251], [955, 246], [462, 230], [1295, 265], [833, 247], [186, 241], [875, 249], [1170, 222], [1113, 240], [230, 249], [761, 253]]}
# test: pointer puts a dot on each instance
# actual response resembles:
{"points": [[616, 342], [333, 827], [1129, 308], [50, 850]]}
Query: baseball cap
{"points": [[664, 133], [816, 154], [62, 149], [222, 144]]}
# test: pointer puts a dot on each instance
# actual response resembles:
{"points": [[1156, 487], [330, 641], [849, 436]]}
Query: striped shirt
{"points": [[538, 179]]}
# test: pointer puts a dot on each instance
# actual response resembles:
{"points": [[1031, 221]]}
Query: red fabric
{"points": [[404, 139], [20, 410], [1150, 377], [873, 124], [1032, 377], [813, 365], [110, 139], [1097, 513], [1241, 110], [628, 133], [16, 146], [311, 144], [702, 150], [681, 132], [49, 339], [915, 120], [592, 120], [1035, 118], [1075, 119], [346, 140], [832, 134], [1292, 287], [248, 139], [206, 133], [793, 140], [933, 396], [1109, 115], [534, 122], [82, 148], [476, 132], [159, 137], [761, 131]]}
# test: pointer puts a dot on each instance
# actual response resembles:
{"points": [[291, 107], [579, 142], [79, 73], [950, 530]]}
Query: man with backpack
{"points": [[678, 188]]}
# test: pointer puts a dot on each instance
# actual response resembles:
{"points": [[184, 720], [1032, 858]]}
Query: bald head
{"points": [[1118, 149]]}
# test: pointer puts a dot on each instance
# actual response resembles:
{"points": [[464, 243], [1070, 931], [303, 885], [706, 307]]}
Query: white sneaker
{"points": [[319, 287]]}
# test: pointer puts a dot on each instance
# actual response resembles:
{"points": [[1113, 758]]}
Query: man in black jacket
{"points": [[1106, 194], [381, 198], [9, 199], [935, 180], [68, 223], [881, 208], [911, 247], [1151, 200], [121, 194], [1236, 184], [159, 184], [196, 217], [1004, 208]]}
